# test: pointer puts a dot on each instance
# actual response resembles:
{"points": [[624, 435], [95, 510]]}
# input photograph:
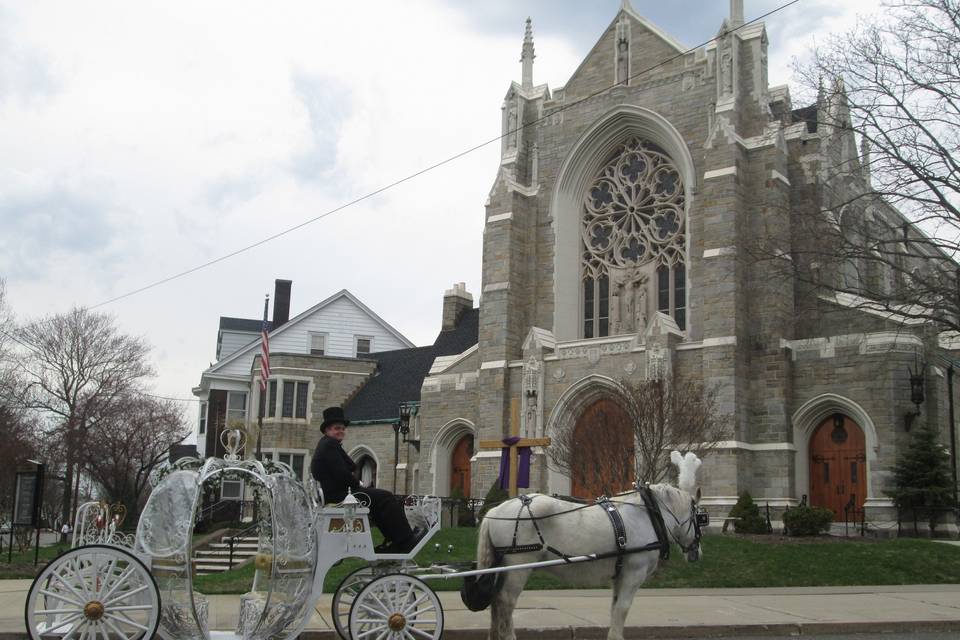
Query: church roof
{"points": [[808, 115], [400, 373], [242, 324]]}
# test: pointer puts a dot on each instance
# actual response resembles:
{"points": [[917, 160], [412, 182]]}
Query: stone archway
{"points": [[811, 415], [578, 168], [368, 466], [838, 466], [603, 440], [568, 409], [441, 454]]}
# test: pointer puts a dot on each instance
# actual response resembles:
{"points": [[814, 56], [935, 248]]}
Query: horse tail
{"points": [[485, 550], [478, 591]]}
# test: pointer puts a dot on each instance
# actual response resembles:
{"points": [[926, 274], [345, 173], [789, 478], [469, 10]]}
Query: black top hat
{"points": [[333, 415]]}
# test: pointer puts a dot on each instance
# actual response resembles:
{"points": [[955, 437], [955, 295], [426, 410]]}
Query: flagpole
{"points": [[263, 385]]}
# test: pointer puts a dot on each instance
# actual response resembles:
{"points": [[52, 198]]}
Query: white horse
{"points": [[574, 529]]}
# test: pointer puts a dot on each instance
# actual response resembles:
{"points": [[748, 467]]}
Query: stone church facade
{"points": [[614, 249]]}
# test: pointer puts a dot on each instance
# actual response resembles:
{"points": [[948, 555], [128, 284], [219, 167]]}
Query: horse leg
{"points": [[624, 589], [501, 610]]}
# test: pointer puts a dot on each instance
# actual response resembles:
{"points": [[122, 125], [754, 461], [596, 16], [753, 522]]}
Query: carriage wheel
{"points": [[396, 607], [93, 591], [343, 598]]}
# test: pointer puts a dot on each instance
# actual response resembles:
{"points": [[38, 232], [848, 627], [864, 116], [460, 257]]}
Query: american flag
{"points": [[264, 348]]}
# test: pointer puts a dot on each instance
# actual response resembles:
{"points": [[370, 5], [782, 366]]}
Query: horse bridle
{"points": [[697, 519]]}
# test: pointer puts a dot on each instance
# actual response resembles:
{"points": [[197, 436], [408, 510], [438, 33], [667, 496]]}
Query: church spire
{"points": [[527, 57], [736, 13]]}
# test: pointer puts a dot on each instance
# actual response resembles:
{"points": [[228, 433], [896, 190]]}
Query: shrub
{"points": [[464, 513], [923, 483], [807, 521], [748, 518], [494, 496]]}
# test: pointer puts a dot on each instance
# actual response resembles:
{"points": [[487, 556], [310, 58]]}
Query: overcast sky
{"points": [[140, 139]]}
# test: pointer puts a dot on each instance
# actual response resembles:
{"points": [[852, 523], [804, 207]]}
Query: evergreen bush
{"points": [[922, 478], [495, 495], [807, 521], [748, 518]]}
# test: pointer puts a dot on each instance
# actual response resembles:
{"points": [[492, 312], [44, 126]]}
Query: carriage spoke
{"points": [[123, 596], [413, 607], [54, 612], [64, 622], [70, 588], [120, 580], [112, 626], [61, 597], [103, 631], [384, 609], [421, 633], [372, 631], [83, 623], [124, 619]]}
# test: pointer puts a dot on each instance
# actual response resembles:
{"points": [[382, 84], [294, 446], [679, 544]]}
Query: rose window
{"points": [[633, 233]]}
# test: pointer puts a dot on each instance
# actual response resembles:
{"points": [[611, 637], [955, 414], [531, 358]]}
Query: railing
{"points": [[225, 511], [232, 540]]}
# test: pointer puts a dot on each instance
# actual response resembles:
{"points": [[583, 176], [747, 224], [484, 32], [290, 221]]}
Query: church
{"points": [[614, 249]]}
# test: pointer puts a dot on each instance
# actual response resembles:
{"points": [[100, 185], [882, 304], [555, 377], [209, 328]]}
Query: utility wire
{"points": [[431, 167]]}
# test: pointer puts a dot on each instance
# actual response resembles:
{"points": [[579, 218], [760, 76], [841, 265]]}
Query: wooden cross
{"points": [[515, 449]]}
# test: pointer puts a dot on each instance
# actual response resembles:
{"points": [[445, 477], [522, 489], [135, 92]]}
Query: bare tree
{"points": [[124, 448], [75, 369], [632, 439], [18, 436], [882, 228]]}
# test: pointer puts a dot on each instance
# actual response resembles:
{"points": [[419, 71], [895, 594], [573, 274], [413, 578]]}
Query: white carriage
{"points": [[113, 586]]}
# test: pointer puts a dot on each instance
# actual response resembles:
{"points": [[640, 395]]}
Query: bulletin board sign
{"points": [[25, 498]]}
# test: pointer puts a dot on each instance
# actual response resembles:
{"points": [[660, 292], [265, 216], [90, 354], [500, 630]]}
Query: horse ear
{"points": [[676, 458]]}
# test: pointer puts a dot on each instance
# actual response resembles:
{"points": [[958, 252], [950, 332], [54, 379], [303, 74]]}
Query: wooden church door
{"points": [[460, 466], [838, 465], [603, 442]]}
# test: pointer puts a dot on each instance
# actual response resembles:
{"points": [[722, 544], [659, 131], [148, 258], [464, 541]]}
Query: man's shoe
{"points": [[412, 541], [384, 547]]}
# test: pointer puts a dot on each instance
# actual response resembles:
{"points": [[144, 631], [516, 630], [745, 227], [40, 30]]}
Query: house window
{"points": [[203, 418], [272, 402], [364, 345], [633, 227], [236, 407], [231, 490], [295, 399], [296, 461], [318, 344]]}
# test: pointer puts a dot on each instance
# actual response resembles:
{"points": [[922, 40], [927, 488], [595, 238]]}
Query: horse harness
{"points": [[616, 521]]}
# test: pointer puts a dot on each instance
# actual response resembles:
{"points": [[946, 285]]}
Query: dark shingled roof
{"points": [[808, 115], [400, 373], [241, 324], [460, 338]]}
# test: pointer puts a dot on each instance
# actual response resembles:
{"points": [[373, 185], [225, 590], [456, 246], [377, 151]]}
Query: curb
{"points": [[786, 630]]}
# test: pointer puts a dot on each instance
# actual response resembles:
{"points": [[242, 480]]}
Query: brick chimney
{"points": [[281, 302], [455, 302]]}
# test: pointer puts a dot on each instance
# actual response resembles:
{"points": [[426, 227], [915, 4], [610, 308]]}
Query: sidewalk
{"points": [[656, 613]]}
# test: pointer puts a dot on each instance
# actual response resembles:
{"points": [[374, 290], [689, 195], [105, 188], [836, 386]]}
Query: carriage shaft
{"points": [[653, 546]]}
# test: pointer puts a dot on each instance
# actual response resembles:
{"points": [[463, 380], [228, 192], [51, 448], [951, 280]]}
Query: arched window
{"points": [[632, 239]]}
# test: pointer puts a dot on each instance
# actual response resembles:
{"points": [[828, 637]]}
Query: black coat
{"points": [[333, 469]]}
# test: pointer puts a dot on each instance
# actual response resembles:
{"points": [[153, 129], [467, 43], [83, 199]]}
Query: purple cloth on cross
{"points": [[523, 473]]}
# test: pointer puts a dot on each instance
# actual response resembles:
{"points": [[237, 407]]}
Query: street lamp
{"points": [[916, 392]]}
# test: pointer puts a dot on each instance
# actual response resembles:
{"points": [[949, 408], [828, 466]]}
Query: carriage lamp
{"points": [[916, 393], [406, 410]]}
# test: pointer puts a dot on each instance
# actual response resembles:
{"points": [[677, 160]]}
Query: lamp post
{"points": [[396, 453]]}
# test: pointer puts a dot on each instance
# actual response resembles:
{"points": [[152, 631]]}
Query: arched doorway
{"points": [[367, 471], [838, 465], [460, 466], [603, 442]]}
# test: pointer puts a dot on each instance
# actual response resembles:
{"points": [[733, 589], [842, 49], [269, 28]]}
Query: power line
{"points": [[431, 167]]}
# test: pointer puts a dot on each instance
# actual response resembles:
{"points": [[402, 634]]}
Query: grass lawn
{"points": [[729, 561]]}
